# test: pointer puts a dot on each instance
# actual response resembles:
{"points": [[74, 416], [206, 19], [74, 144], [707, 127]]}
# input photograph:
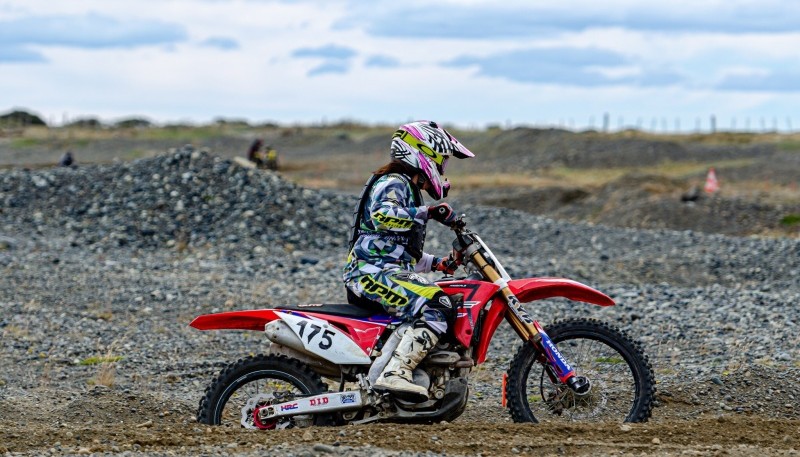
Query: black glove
{"points": [[442, 213], [446, 265]]}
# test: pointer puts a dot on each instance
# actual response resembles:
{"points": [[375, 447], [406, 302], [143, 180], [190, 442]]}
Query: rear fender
{"points": [[360, 335], [531, 289], [254, 319]]}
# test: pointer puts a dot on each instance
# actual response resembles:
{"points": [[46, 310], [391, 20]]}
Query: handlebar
{"points": [[459, 224]]}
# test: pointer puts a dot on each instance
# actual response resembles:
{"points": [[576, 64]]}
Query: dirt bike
{"points": [[574, 370]]}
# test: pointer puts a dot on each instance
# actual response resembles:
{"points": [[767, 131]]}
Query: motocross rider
{"points": [[386, 247]]}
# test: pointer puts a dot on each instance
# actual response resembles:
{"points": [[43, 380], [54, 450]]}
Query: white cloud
{"points": [[196, 60]]}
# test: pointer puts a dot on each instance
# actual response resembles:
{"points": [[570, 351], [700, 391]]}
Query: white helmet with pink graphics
{"points": [[427, 147]]}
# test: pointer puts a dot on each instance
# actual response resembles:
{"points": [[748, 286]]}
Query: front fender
{"points": [[531, 289], [254, 319]]}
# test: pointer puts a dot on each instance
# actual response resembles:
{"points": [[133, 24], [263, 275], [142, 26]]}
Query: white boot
{"points": [[396, 378]]}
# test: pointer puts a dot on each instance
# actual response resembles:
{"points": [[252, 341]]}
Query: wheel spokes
{"points": [[241, 408], [612, 393]]}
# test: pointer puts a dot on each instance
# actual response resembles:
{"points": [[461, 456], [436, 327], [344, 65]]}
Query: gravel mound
{"points": [[184, 197]]}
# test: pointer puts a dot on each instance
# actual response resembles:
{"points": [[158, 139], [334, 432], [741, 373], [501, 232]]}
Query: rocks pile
{"points": [[186, 197]]}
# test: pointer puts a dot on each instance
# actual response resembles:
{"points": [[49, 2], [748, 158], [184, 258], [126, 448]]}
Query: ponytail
{"points": [[396, 166]]}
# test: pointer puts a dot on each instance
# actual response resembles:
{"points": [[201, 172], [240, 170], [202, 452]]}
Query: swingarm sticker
{"points": [[323, 339], [334, 401], [289, 407]]}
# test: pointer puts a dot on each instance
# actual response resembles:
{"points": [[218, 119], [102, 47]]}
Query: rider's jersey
{"points": [[391, 211]]}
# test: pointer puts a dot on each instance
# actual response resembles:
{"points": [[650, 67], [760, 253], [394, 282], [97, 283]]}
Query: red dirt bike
{"points": [[575, 370]]}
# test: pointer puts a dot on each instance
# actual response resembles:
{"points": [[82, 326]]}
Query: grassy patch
{"points": [[21, 143], [494, 180], [97, 360], [791, 219], [612, 360], [106, 368], [789, 145], [16, 332]]}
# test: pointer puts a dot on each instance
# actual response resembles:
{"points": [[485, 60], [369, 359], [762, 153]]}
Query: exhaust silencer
{"points": [[279, 332]]}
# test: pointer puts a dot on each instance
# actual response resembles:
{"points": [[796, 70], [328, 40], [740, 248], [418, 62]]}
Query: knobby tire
{"points": [[525, 364], [249, 369]]}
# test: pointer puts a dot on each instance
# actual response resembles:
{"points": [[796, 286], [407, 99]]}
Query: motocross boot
{"points": [[396, 378]]}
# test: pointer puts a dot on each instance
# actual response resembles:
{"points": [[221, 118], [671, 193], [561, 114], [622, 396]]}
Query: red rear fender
{"points": [[235, 320], [531, 289]]}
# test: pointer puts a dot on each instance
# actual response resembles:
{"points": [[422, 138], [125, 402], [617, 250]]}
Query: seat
{"points": [[344, 310]]}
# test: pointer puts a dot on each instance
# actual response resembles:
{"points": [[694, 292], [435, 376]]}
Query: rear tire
{"points": [[271, 376], [623, 387]]}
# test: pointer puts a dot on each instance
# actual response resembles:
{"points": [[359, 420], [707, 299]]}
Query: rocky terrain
{"points": [[105, 265], [628, 179]]}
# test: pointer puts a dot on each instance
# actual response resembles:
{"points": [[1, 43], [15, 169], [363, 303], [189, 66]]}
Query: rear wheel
{"points": [[242, 388], [620, 375]]}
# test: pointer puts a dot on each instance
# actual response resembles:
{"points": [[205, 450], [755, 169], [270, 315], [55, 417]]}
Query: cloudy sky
{"points": [[656, 65]]}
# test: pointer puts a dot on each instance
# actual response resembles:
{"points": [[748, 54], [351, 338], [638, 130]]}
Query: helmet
{"points": [[427, 147]]}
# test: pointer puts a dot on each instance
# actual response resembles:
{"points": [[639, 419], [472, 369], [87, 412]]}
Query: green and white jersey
{"points": [[392, 209]]}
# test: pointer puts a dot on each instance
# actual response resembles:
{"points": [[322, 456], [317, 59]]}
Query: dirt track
{"points": [[687, 420], [84, 426]]}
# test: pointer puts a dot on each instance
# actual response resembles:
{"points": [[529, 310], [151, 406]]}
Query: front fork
{"points": [[558, 363], [530, 330]]}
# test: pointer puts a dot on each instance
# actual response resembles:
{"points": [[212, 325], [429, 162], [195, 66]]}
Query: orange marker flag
{"points": [[712, 185]]}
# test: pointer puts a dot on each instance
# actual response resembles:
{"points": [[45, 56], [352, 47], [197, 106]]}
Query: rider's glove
{"points": [[447, 265], [442, 213]]}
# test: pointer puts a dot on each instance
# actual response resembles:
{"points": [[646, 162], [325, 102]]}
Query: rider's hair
{"points": [[396, 166]]}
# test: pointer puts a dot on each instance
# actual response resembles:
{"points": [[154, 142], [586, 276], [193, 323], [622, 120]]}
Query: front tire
{"points": [[253, 382], [623, 387]]}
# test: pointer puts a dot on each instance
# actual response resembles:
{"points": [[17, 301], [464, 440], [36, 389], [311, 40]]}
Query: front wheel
{"points": [[620, 376], [243, 387]]}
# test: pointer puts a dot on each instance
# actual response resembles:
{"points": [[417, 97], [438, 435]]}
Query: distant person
{"points": [[692, 195], [271, 158], [254, 153], [67, 160]]}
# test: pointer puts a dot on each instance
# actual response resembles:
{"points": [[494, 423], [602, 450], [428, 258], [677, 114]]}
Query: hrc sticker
{"points": [[289, 407]]}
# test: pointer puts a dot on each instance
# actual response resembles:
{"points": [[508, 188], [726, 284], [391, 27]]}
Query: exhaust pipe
{"points": [[317, 364], [279, 332]]}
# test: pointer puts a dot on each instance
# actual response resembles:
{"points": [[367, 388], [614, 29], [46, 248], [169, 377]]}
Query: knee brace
{"points": [[437, 314]]}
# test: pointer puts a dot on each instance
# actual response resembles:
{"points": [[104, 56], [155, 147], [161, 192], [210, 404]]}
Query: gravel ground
{"points": [[115, 260]]}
